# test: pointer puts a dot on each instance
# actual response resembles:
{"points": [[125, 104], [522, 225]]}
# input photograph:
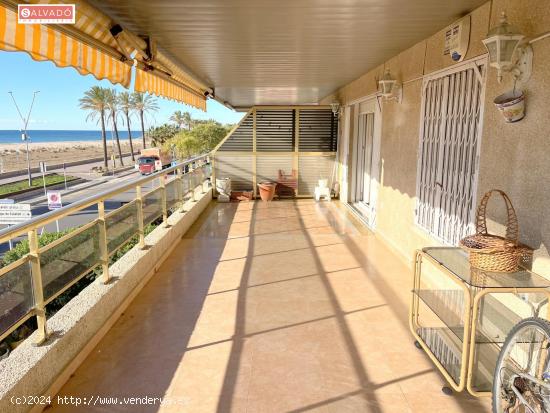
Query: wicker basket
{"points": [[490, 252]]}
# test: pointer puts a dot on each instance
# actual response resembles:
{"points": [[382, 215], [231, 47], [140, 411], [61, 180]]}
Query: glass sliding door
{"points": [[366, 151]]}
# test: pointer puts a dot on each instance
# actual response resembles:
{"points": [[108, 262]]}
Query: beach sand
{"points": [[13, 156]]}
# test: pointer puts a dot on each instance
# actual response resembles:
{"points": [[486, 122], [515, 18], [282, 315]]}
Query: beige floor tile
{"points": [[370, 402], [270, 307], [438, 402]]}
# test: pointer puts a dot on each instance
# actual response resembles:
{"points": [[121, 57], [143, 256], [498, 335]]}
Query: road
{"points": [[39, 204], [80, 171]]}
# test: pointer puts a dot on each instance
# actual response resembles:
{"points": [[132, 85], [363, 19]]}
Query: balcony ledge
{"points": [[80, 325]]}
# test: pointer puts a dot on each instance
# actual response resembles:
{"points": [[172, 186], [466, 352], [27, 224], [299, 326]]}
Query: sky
{"points": [[56, 106]]}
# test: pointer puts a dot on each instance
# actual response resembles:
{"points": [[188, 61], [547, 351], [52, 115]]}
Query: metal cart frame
{"points": [[473, 296]]}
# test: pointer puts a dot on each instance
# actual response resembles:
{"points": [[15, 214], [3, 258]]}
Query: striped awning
{"points": [[149, 82], [42, 42], [90, 48]]}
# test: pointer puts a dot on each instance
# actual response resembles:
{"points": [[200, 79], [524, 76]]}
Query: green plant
{"points": [[123, 223], [126, 105], [112, 104], [132, 242], [95, 101], [182, 118], [204, 137], [22, 249], [37, 182], [161, 134], [144, 104]]}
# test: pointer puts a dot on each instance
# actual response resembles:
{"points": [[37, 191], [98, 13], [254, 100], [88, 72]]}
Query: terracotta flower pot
{"points": [[267, 190]]}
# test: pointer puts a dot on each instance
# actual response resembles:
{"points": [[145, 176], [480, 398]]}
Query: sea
{"points": [[38, 136]]}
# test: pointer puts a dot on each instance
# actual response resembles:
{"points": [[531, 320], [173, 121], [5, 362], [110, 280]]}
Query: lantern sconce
{"points": [[335, 107], [504, 42], [389, 88]]}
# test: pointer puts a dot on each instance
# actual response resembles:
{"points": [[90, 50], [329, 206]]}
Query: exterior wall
{"points": [[514, 157]]}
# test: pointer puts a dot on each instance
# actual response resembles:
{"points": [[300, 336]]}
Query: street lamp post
{"points": [[24, 135]]}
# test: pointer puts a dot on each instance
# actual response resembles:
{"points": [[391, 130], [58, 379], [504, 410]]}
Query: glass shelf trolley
{"points": [[460, 316]]}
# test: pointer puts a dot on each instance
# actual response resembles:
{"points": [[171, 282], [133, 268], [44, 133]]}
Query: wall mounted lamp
{"points": [[389, 88], [335, 107], [504, 42]]}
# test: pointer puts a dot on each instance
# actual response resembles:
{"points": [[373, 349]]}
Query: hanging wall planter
{"points": [[511, 105]]}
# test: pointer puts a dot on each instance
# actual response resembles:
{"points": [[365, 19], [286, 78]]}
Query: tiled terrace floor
{"points": [[281, 307]]}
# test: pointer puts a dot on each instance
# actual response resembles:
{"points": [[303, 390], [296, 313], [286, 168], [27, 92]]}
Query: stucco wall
{"points": [[514, 157]]}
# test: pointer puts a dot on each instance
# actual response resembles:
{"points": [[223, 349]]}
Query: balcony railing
{"points": [[30, 283]]}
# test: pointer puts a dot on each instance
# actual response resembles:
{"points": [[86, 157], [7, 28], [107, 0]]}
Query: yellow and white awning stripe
{"points": [[148, 82], [89, 20], [44, 43]]}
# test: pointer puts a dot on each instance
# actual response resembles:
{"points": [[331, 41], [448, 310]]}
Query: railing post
{"points": [[202, 177], [179, 186], [192, 175], [213, 174], [141, 229], [39, 306], [103, 246], [163, 200], [180, 192], [183, 193]]}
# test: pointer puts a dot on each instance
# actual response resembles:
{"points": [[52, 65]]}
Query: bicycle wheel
{"points": [[521, 382]]}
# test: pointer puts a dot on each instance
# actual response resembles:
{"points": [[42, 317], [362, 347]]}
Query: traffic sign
{"points": [[158, 165], [11, 214], [54, 200], [174, 163], [43, 167]]}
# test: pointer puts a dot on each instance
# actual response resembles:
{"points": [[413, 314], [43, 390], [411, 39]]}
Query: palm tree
{"points": [[126, 104], [144, 104], [177, 118], [112, 105], [95, 101], [188, 120]]}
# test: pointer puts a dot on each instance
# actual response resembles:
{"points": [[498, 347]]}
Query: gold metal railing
{"points": [[31, 282]]}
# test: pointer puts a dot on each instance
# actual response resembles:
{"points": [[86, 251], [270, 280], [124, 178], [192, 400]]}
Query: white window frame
{"points": [[365, 105], [451, 233], [343, 145]]}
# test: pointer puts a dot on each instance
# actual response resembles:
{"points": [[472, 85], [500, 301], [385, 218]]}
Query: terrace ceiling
{"points": [[257, 52]]}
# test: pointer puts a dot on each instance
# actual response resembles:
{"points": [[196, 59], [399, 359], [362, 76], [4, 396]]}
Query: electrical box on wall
{"points": [[457, 39]]}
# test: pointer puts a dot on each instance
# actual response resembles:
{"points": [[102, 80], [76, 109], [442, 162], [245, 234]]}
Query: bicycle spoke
{"points": [[522, 375]]}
